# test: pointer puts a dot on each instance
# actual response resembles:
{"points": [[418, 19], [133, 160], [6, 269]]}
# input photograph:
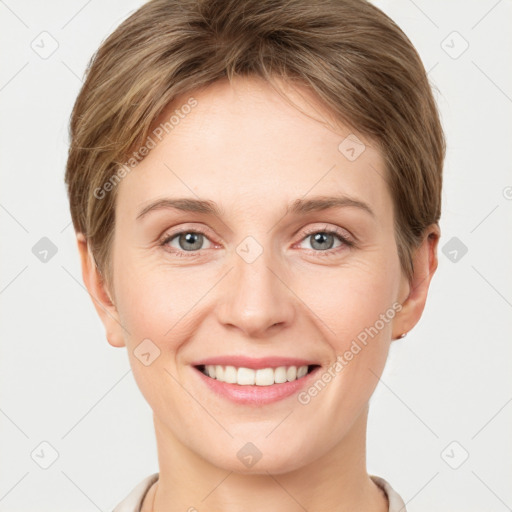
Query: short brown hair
{"points": [[348, 52]]}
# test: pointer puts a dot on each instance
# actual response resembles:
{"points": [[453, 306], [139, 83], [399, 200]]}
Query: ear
{"points": [[413, 293], [99, 294]]}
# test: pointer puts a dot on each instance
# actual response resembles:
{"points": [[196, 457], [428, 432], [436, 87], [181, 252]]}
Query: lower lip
{"points": [[256, 395]]}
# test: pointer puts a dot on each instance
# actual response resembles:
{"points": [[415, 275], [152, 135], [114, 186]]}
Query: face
{"points": [[266, 280]]}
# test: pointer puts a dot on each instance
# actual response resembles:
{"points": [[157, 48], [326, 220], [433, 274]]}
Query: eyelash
{"points": [[329, 252]]}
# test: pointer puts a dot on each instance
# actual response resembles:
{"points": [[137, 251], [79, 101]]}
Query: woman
{"points": [[256, 191]]}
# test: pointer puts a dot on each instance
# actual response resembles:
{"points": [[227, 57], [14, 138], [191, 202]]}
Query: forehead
{"points": [[243, 145]]}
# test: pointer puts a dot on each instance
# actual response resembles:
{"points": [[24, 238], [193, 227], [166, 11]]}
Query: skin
{"points": [[246, 148]]}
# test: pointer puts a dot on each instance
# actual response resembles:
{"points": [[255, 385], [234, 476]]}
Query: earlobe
{"points": [[95, 284], [425, 264]]}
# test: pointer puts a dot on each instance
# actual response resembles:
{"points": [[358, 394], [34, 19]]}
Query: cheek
{"points": [[162, 303], [356, 308], [153, 306], [351, 299], [152, 303]]}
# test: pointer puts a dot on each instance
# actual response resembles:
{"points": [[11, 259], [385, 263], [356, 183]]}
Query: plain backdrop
{"points": [[440, 420]]}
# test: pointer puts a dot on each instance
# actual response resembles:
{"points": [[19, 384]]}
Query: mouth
{"points": [[260, 385], [268, 376]]}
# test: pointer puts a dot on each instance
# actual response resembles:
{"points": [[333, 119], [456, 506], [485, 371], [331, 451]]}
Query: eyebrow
{"points": [[297, 207]]}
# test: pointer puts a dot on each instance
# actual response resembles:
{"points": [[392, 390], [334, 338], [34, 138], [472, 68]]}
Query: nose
{"points": [[256, 298]]}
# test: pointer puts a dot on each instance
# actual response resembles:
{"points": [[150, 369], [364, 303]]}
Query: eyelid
{"points": [[343, 233]]}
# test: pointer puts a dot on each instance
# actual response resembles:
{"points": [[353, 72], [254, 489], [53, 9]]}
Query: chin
{"points": [[260, 458]]}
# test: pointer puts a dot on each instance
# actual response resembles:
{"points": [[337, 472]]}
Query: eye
{"points": [[323, 240], [187, 241]]}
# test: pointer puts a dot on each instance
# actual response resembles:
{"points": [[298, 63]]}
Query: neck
{"points": [[335, 482]]}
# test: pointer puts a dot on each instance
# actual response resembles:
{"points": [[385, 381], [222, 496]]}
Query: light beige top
{"points": [[133, 502]]}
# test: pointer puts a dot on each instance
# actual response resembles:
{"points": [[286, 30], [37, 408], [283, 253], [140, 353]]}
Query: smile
{"points": [[260, 377], [257, 386]]}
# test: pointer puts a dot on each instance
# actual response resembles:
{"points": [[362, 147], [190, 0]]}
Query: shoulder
{"points": [[133, 501], [396, 503]]}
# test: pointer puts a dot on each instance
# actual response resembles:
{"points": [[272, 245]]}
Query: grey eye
{"points": [[188, 241], [321, 240]]}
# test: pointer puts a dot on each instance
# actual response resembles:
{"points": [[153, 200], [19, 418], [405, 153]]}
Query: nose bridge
{"points": [[256, 299]]}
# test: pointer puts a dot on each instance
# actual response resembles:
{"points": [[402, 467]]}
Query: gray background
{"points": [[439, 427]]}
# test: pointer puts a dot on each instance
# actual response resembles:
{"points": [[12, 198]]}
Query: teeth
{"points": [[291, 373], [302, 371], [264, 377], [246, 376], [280, 375], [230, 374], [249, 377]]}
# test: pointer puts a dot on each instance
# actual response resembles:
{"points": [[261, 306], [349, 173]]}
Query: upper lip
{"points": [[254, 363]]}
